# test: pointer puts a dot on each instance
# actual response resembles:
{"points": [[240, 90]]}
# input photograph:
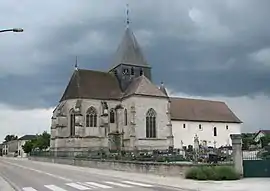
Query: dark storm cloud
{"points": [[196, 48]]}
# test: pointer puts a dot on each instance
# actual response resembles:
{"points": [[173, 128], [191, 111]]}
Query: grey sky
{"points": [[200, 48]]}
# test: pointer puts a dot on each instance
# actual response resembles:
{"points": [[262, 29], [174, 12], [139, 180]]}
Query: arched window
{"points": [[126, 120], [112, 116], [151, 131], [91, 117], [132, 71], [215, 131], [72, 123]]}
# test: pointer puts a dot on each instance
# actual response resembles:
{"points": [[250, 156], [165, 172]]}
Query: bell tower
{"points": [[129, 61]]}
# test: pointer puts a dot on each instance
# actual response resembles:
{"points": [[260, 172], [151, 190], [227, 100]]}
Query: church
{"points": [[122, 109]]}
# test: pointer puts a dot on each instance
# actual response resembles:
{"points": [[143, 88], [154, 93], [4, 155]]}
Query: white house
{"points": [[211, 121], [261, 134], [123, 108]]}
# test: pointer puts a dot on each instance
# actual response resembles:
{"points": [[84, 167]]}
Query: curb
{"points": [[7, 185]]}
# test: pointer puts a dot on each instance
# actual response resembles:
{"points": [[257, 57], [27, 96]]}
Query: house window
{"points": [[151, 131], [200, 126], [184, 125], [91, 117], [112, 116], [215, 131], [227, 127], [72, 123], [132, 71], [125, 113]]}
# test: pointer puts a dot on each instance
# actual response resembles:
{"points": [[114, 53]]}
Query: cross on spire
{"points": [[76, 63], [127, 21]]}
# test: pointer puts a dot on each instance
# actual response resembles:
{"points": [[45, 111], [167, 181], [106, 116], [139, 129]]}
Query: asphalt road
{"points": [[25, 175]]}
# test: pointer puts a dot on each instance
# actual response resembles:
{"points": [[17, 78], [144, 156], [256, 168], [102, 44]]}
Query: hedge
{"points": [[212, 173]]}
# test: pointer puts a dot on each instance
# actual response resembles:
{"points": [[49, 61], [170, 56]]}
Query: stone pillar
{"points": [[237, 152]]}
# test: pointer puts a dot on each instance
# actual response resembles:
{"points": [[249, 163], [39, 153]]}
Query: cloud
{"points": [[210, 49], [24, 121], [262, 56]]}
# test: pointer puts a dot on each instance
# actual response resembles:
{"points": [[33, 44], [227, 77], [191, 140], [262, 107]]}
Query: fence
{"points": [[202, 155]]}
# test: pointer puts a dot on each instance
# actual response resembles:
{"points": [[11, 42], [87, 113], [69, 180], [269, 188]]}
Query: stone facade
{"points": [[132, 135]]}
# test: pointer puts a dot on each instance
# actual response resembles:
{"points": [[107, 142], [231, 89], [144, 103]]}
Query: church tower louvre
{"points": [[129, 61]]}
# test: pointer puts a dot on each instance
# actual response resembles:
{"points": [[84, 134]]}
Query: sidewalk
{"points": [[4, 186], [250, 184]]}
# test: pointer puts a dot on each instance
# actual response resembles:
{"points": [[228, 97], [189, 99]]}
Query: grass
{"points": [[212, 173]]}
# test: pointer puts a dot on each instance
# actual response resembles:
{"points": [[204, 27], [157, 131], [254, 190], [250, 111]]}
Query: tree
{"points": [[265, 140], [10, 138], [41, 142], [28, 146], [247, 140]]}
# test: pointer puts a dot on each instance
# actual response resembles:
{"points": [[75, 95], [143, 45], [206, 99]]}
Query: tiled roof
{"points": [[201, 110], [129, 51], [89, 84], [143, 86]]}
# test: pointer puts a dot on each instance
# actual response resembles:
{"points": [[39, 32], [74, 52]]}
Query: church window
{"points": [[72, 123], [184, 125], [91, 117], [151, 131], [126, 120], [132, 71], [227, 127], [141, 72], [112, 116], [200, 126], [115, 72], [215, 131]]}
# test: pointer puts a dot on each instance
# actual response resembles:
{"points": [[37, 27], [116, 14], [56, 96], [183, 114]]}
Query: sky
{"points": [[206, 49]]}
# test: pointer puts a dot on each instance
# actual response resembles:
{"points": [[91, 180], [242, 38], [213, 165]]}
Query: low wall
{"points": [[165, 169]]}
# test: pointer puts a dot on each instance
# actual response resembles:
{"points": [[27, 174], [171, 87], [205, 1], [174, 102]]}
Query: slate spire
{"points": [[129, 51]]}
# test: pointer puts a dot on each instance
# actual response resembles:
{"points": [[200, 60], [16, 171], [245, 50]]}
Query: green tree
{"points": [[265, 140], [10, 138], [28, 146], [247, 140], [43, 141]]}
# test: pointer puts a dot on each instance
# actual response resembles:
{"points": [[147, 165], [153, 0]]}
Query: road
{"points": [[25, 175]]}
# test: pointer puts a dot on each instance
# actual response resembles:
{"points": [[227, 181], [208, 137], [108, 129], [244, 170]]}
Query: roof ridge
{"points": [[196, 99]]}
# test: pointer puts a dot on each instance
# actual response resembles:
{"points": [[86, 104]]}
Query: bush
{"points": [[212, 173]]}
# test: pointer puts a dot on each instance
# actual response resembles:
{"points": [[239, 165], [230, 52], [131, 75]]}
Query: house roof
{"points": [[201, 110], [27, 137], [143, 86], [129, 51], [90, 84], [266, 132]]}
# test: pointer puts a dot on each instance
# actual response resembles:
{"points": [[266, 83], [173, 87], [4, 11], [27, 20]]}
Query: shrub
{"points": [[212, 173]]}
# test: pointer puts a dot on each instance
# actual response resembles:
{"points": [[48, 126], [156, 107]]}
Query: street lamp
{"points": [[12, 30]]}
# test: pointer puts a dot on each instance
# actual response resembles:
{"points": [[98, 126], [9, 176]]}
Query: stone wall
{"points": [[164, 169]]}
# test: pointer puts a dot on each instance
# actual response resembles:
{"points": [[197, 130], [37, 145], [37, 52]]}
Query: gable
{"points": [[201, 110], [143, 86]]}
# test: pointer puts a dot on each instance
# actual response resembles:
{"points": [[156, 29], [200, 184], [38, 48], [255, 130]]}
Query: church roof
{"points": [[89, 84], [143, 86], [129, 51], [201, 110]]}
